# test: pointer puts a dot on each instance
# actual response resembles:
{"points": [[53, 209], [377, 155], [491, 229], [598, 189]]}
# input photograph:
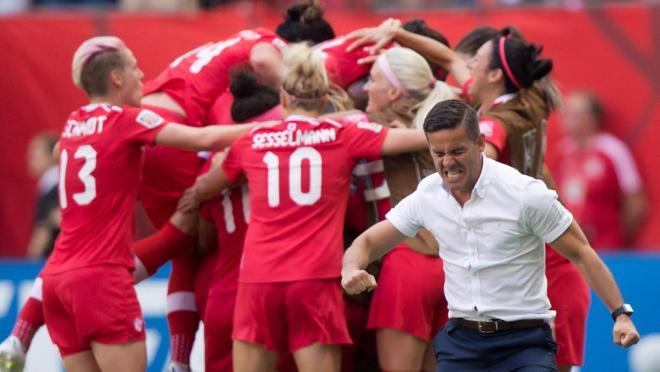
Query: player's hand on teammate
{"points": [[624, 332], [380, 36], [189, 201], [357, 281]]}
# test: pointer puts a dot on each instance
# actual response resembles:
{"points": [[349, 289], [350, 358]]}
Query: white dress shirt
{"points": [[492, 247]]}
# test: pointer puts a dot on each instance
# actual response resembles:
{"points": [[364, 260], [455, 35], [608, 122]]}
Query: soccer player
{"points": [[97, 324], [185, 91], [298, 173], [223, 225]]}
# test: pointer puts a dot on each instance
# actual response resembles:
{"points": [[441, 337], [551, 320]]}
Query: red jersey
{"points": [[369, 195], [100, 165], [342, 66], [591, 182], [231, 213], [298, 173], [220, 111], [195, 79]]}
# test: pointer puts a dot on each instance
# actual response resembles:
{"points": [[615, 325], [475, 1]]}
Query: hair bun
{"points": [[305, 12], [540, 68], [312, 13], [243, 84]]}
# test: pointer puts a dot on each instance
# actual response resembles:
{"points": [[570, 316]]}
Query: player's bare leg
{"points": [[185, 221], [318, 358], [430, 363], [564, 368], [81, 362], [130, 357], [250, 357], [399, 351]]}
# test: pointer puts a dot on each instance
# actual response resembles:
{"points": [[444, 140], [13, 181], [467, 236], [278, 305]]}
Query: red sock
{"points": [[182, 316], [31, 316], [165, 244]]}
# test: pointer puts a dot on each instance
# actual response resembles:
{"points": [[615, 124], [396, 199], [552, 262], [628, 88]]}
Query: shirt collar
{"points": [[503, 99], [307, 119]]}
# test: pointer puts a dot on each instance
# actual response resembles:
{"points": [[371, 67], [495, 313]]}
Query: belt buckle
{"points": [[480, 327]]}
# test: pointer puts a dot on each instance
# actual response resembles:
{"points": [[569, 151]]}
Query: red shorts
{"points": [[95, 303], [410, 294], [218, 320], [569, 295], [288, 316], [166, 173]]}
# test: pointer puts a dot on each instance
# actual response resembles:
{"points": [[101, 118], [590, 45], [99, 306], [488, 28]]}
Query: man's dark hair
{"points": [[450, 114], [473, 40], [304, 21], [419, 27], [95, 76], [250, 98]]}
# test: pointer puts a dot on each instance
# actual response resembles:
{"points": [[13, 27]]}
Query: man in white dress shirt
{"points": [[491, 223]]}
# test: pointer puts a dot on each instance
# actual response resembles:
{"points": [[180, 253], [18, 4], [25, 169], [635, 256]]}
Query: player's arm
{"points": [[366, 248], [56, 152], [207, 186], [214, 137], [429, 48], [573, 245], [266, 62], [398, 141], [39, 241]]}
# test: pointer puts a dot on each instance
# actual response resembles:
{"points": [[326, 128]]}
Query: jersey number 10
{"points": [[295, 176]]}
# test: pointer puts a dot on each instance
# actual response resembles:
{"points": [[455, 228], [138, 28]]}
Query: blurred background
{"points": [[606, 60]]}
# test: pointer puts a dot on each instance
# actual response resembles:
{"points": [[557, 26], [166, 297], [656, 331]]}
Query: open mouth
{"points": [[453, 174]]}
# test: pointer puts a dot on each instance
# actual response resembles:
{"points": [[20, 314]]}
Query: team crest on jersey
{"points": [[486, 127], [149, 119], [370, 126]]}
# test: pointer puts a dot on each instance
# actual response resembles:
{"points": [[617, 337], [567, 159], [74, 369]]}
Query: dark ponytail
{"points": [[304, 22], [519, 61], [250, 98]]}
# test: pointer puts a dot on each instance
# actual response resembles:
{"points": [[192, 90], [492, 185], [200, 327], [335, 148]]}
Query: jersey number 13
{"points": [[85, 197]]}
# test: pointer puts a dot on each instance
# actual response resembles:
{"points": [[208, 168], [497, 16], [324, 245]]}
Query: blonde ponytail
{"points": [[306, 80], [415, 76]]}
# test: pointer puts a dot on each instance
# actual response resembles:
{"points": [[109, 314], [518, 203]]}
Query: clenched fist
{"points": [[624, 332], [357, 281]]}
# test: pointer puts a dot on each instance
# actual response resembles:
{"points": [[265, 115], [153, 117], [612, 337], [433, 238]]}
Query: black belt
{"points": [[494, 326]]}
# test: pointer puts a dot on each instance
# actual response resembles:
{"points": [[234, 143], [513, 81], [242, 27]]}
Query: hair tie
{"points": [[389, 74], [505, 64]]}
